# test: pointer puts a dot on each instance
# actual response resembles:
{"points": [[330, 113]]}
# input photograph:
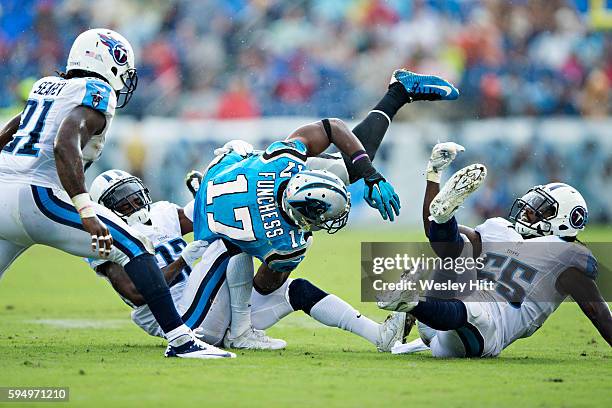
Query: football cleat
{"points": [[414, 346], [455, 191], [253, 339], [425, 87], [400, 300], [195, 348], [394, 330]]}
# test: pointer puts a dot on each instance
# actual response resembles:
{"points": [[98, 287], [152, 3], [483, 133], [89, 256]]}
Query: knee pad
{"points": [[303, 295]]}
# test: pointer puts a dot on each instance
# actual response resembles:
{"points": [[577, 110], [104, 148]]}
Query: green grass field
{"points": [[62, 326]]}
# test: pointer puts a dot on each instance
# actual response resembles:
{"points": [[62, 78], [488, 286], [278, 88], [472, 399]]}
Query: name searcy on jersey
{"points": [[50, 88], [266, 202]]}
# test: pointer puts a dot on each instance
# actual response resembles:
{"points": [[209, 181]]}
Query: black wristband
{"points": [[328, 130], [362, 165]]}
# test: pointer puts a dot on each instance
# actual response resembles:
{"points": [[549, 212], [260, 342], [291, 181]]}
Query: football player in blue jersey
{"points": [[268, 204], [200, 292]]}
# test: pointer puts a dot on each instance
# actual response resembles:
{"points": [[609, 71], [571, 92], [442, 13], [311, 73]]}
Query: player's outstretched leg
{"points": [[50, 219], [300, 294], [461, 184], [405, 87]]}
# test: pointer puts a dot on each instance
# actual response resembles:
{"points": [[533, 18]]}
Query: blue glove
{"points": [[380, 194]]}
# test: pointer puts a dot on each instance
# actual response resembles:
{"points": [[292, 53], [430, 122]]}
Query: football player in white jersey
{"points": [[533, 260], [202, 295], [45, 152]]}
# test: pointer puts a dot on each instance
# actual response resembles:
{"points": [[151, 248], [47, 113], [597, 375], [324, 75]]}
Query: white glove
{"points": [[442, 155], [239, 146], [193, 251]]}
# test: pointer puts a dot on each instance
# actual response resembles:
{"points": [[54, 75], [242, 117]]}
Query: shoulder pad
{"points": [[497, 230], [99, 96], [293, 148]]}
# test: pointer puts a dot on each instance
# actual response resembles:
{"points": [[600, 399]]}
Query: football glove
{"points": [[238, 146], [193, 251], [380, 194], [193, 179], [442, 155]]}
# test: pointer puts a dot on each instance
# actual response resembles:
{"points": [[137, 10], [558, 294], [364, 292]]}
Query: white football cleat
{"points": [[461, 184], [414, 346], [400, 300], [253, 339], [394, 330], [195, 348]]}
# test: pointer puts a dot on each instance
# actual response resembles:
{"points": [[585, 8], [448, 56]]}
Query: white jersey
{"points": [[526, 273], [29, 157], [165, 234]]}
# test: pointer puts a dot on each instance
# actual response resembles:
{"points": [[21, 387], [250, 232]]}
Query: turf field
{"points": [[62, 326]]}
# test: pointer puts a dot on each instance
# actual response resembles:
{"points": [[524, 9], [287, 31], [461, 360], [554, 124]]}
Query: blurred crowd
{"points": [[252, 58], [514, 168]]}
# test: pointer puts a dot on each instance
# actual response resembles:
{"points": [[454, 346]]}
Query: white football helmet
{"points": [[317, 198], [124, 194], [108, 54], [552, 209]]}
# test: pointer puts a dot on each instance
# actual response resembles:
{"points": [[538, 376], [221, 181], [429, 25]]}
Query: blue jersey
{"points": [[238, 201]]}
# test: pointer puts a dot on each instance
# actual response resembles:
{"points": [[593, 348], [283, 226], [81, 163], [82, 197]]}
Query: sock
{"points": [[335, 312], [372, 129], [330, 310], [268, 309], [445, 239], [239, 277], [441, 314], [179, 336], [150, 282], [394, 99]]}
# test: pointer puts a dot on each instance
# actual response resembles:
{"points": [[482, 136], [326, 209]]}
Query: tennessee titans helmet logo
{"points": [[578, 217], [115, 48]]}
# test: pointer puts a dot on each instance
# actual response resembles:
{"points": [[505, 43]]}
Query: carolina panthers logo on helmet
{"points": [[311, 208], [115, 48], [578, 217]]}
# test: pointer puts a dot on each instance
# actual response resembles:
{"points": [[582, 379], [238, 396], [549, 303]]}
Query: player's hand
{"points": [[238, 146], [193, 251], [442, 155], [101, 239], [193, 179], [381, 195]]}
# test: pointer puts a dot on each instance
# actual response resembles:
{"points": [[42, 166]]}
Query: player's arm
{"points": [[318, 136], [185, 223], [585, 292], [74, 132], [121, 282], [9, 130], [123, 285], [267, 280]]}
